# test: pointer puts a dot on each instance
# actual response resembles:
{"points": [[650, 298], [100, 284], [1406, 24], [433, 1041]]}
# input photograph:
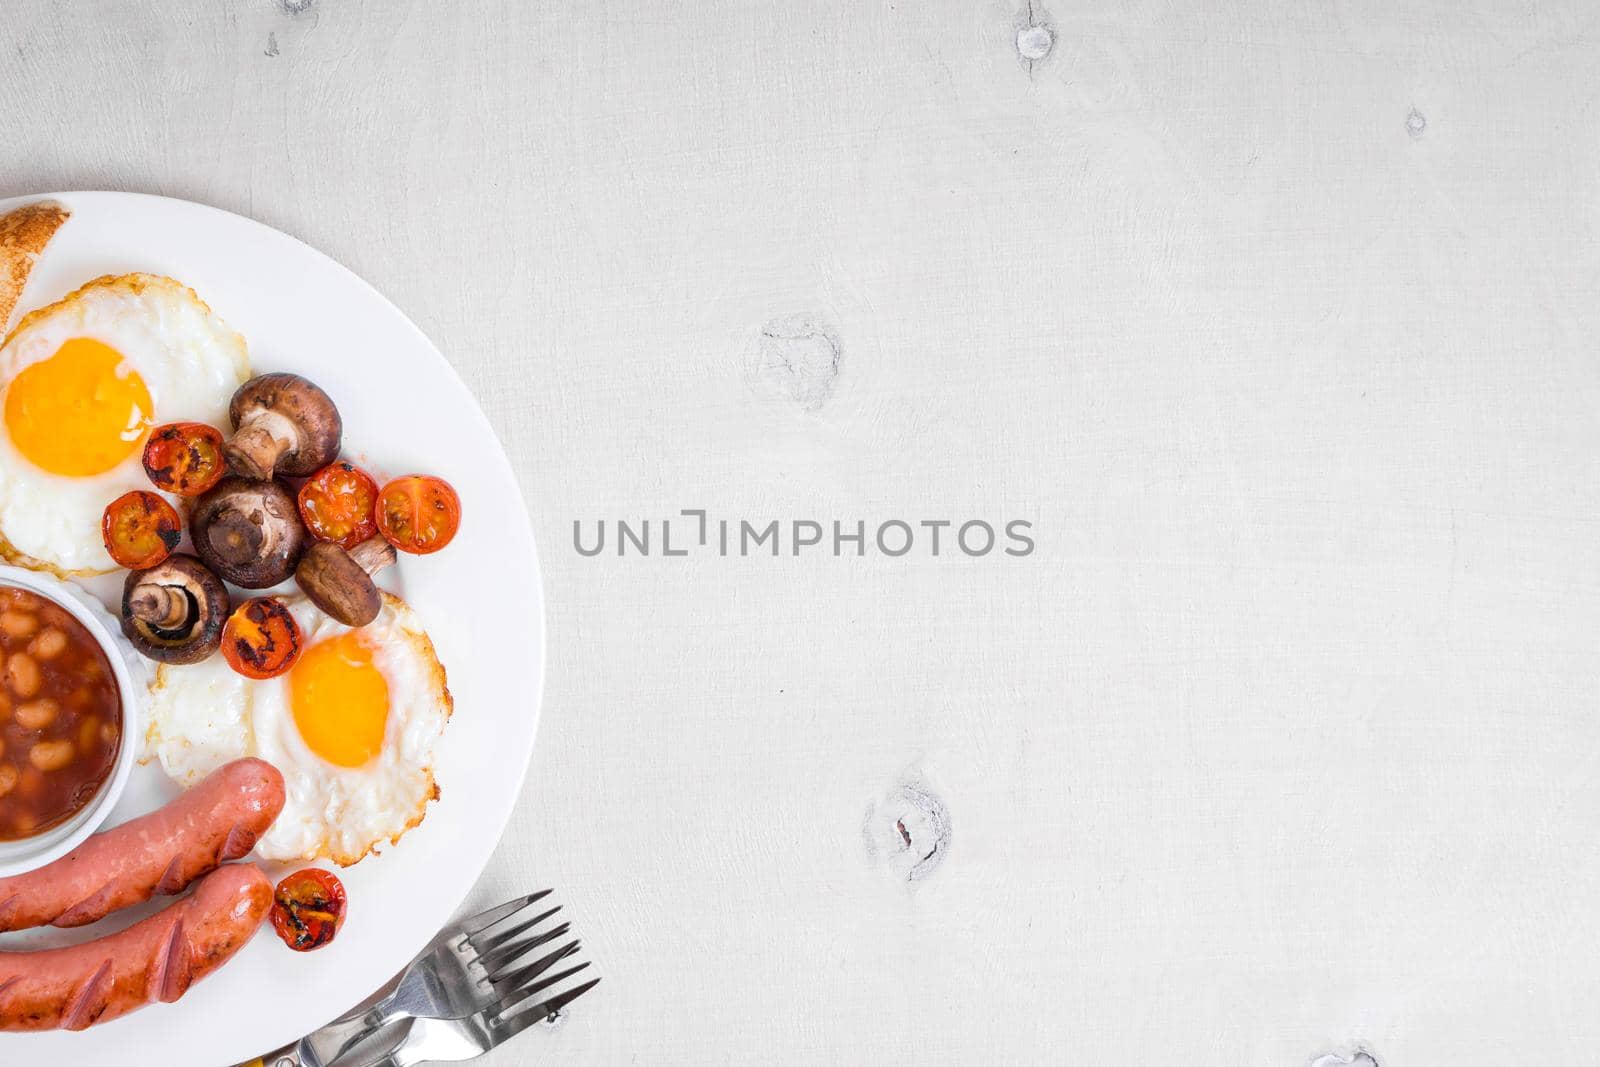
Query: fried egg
{"points": [[352, 726], [81, 384]]}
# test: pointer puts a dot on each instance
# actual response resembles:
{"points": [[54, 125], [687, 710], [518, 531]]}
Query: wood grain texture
{"points": [[1278, 320]]}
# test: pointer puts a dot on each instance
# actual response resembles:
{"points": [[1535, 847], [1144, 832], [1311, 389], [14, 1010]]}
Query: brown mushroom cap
{"points": [[249, 532], [340, 582], [282, 424], [174, 612]]}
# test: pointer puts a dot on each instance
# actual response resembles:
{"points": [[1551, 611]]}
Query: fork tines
{"points": [[514, 1008], [504, 950], [477, 924]]}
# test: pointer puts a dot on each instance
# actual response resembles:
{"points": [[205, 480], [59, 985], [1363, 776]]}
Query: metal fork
{"points": [[452, 1040], [466, 966]]}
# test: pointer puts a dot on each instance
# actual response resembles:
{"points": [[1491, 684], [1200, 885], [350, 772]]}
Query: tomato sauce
{"points": [[60, 715]]}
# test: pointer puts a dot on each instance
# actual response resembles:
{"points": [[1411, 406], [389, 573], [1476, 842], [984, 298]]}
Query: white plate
{"points": [[404, 410]]}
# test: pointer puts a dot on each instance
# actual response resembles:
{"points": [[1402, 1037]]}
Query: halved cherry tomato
{"points": [[418, 514], [140, 529], [261, 639], [336, 504], [308, 908], [184, 457]]}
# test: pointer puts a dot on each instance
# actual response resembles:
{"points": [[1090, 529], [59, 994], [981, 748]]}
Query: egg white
{"points": [[191, 364], [204, 715]]}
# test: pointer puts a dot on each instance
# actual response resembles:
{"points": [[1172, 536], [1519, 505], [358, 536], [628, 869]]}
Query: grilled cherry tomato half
{"points": [[418, 514], [184, 458], [140, 529], [308, 909], [336, 504], [261, 639]]}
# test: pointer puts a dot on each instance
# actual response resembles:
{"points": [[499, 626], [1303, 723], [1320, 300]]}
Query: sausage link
{"points": [[220, 819], [157, 959]]}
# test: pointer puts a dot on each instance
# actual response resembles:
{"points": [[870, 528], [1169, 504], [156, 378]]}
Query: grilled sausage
{"points": [[218, 820], [157, 959]]}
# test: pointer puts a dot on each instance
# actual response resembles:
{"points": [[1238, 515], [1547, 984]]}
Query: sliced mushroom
{"points": [[282, 424], [248, 531], [174, 612], [340, 582]]}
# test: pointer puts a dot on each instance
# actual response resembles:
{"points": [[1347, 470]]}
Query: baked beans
{"points": [[60, 715]]}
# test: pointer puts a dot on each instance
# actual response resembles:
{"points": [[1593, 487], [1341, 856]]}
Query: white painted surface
{"points": [[1279, 321]]}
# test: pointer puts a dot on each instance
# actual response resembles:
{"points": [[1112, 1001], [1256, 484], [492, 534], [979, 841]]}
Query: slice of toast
{"points": [[23, 235]]}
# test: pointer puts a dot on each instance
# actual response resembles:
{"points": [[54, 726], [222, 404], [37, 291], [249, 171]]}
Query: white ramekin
{"points": [[19, 856]]}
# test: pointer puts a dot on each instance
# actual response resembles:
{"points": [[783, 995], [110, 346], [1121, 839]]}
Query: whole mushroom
{"points": [[282, 424], [248, 531], [340, 582], [174, 612]]}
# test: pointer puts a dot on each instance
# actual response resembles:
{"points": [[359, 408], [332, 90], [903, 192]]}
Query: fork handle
{"points": [[324, 1046]]}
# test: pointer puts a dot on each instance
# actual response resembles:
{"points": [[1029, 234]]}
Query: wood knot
{"points": [[797, 357], [908, 831]]}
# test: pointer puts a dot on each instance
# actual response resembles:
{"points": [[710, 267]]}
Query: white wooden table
{"points": [[1279, 323]]}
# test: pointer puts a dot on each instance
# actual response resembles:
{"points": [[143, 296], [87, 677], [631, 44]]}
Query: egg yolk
{"points": [[80, 412], [340, 700]]}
